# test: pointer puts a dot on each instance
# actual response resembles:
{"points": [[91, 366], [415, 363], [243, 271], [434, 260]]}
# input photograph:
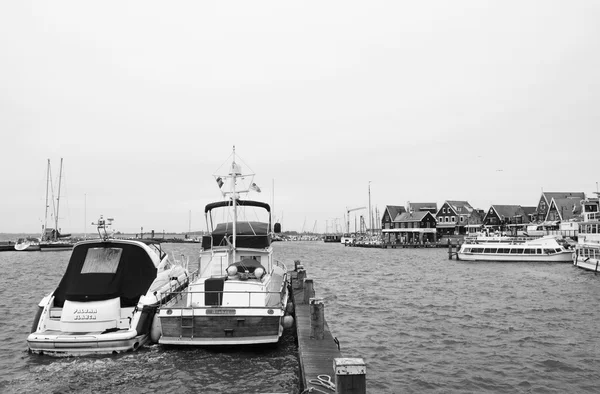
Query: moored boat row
{"points": [[119, 294]]}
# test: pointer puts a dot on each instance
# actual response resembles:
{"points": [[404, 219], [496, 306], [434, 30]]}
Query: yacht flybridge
{"points": [[241, 293], [107, 299]]}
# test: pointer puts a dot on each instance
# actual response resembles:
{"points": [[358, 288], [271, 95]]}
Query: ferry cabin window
{"points": [[101, 261], [477, 250], [529, 251], [548, 251], [538, 251], [513, 251], [504, 250], [489, 250]]}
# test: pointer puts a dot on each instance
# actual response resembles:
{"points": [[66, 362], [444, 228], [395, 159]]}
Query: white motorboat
{"points": [[587, 251], [27, 244], [107, 299], [240, 296], [544, 249]]}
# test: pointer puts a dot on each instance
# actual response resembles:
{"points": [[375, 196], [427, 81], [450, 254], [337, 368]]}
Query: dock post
{"points": [[296, 264], [350, 375], [309, 290], [449, 249], [300, 278], [317, 318]]}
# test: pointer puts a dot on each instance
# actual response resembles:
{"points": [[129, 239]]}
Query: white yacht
{"points": [[107, 298], [241, 294], [544, 249], [587, 251]]}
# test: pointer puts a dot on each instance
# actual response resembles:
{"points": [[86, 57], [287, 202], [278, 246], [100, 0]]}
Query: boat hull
{"points": [[556, 258], [27, 247], [586, 263], [220, 330], [59, 344], [46, 247]]}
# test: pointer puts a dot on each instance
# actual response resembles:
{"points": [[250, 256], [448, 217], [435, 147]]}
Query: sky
{"points": [[333, 104]]}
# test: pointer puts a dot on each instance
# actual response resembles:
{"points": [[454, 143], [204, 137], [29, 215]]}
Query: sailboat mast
{"points": [[233, 198], [58, 199], [370, 219], [46, 213]]}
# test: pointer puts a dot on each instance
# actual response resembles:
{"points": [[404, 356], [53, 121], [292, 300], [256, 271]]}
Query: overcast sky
{"points": [[485, 101]]}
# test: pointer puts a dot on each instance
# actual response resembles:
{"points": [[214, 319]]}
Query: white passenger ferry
{"points": [[545, 249], [587, 252]]}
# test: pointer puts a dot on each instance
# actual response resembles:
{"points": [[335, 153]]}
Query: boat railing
{"points": [[244, 299]]}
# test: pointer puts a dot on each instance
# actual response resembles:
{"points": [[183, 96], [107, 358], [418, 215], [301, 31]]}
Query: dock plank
{"points": [[315, 355]]}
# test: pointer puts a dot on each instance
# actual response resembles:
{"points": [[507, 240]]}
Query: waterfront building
{"points": [[475, 221], [544, 203], [509, 219], [453, 216], [390, 213], [415, 227]]}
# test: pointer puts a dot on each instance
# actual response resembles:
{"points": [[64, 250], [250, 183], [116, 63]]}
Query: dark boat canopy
{"points": [[248, 234], [247, 203], [105, 270]]}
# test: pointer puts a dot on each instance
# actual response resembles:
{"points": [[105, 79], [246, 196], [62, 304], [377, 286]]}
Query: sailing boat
{"points": [[241, 294], [51, 237]]}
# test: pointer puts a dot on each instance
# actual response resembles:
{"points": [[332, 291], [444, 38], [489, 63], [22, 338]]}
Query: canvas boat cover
{"points": [[104, 270], [249, 234]]}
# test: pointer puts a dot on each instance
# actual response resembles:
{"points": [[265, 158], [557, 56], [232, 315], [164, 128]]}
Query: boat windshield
{"points": [[101, 260]]}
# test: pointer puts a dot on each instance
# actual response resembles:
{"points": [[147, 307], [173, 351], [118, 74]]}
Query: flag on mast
{"points": [[255, 187], [220, 182]]}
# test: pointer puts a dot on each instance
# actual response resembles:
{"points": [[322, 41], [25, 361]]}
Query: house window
{"points": [[453, 219], [447, 219], [462, 219], [443, 210]]}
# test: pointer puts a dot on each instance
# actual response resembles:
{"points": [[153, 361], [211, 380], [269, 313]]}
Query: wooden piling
{"points": [[317, 318], [301, 277], [350, 376], [449, 249], [309, 290]]}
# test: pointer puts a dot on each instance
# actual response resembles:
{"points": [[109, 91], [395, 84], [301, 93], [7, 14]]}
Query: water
{"points": [[422, 323]]}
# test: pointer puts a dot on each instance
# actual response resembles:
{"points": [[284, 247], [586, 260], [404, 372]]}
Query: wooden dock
{"points": [[407, 245], [318, 350]]}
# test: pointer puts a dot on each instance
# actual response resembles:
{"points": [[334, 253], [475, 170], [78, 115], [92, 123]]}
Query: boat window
{"points": [[558, 250], [538, 251], [503, 250], [467, 250], [477, 250], [101, 261], [513, 251], [529, 251], [548, 251]]}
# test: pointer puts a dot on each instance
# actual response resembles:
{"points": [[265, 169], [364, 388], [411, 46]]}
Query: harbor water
{"points": [[421, 322]]}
